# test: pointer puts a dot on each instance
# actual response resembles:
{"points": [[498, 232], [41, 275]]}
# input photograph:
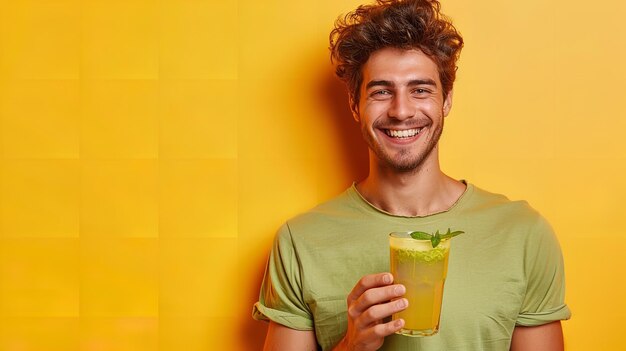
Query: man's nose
{"points": [[401, 107]]}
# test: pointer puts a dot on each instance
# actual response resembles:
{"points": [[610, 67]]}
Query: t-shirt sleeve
{"points": [[544, 301], [281, 299]]}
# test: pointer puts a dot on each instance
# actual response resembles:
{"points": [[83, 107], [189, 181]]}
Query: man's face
{"points": [[402, 107]]}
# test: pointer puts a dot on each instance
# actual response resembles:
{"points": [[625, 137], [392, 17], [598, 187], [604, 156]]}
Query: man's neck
{"points": [[421, 192]]}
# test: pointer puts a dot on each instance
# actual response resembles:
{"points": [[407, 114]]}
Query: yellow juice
{"points": [[422, 270]]}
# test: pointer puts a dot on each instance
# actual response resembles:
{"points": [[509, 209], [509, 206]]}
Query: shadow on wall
{"points": [[333, 94], [350, 160], [251, 333]]}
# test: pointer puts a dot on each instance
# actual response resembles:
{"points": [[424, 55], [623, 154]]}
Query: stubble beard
{"points": [[406, 160]]}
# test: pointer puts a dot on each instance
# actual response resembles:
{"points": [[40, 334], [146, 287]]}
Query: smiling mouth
{"points": [[402, 134]]}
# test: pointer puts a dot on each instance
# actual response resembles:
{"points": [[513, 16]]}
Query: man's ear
{"points": [[355, 109], [447, 103]]}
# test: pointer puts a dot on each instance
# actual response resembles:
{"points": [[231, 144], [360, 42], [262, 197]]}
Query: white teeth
{"points": [[407, 133]]}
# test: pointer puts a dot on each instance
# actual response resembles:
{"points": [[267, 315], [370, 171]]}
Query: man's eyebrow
{"points": [[374, 83], [426, 81], [387, 83]]}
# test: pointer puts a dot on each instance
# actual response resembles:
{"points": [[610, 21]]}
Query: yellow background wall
{"points": [[149, 149]]}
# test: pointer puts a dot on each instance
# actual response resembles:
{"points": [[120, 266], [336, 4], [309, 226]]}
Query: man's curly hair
{"points": [[403, 24]]}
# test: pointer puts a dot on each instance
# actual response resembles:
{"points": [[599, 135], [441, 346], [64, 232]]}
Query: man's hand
{"points": [[368, 303]]}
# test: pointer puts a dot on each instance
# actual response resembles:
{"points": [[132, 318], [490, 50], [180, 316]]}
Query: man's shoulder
{"points": [[491, 203], [340, 206], [330, 216], [514, 220]]}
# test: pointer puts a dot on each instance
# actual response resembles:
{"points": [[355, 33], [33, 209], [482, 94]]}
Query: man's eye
{"points": [[421, 91], [380, 94]]}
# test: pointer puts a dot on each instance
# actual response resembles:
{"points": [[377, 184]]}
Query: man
{"points": [[327, 284]]}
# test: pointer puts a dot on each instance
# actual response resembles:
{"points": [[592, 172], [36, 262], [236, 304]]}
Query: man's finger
{"points": [[367, 282], [376, 296], [376, 313], [378, 332]]}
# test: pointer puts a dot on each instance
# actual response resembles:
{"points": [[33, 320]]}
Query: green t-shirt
{"points": [[506, 270]]}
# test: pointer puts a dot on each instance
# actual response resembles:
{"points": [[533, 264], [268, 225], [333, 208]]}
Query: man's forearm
{"points": [[547, 337], [281, 338]]}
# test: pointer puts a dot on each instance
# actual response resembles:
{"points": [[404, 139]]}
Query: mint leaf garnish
{"points": [[435, 238], [420, 235], [449, 234]]}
